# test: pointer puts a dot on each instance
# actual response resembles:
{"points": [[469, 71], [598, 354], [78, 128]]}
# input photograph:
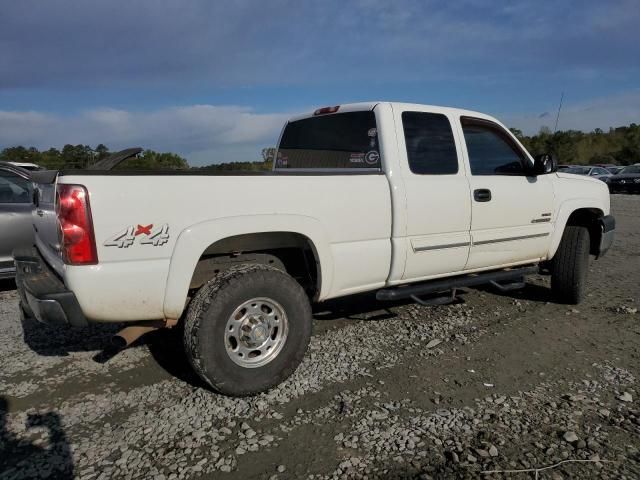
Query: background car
{"points": [[626, 180], [615, 169], [597, 172], [16, 205], [26, 165]]}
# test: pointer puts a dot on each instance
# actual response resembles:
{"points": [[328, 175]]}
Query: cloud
{"points": [[212, 133], [281, 42], [604, 112], [203, 133]]}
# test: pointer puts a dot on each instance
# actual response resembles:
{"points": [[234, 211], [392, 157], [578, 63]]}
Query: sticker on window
{"points": [[372, 157]]}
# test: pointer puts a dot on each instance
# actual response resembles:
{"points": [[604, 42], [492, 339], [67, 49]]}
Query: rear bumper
{"points": [[608, 225], [44, 293]]}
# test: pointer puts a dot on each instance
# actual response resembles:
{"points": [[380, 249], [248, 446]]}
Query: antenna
{"points": [[555, 129]]}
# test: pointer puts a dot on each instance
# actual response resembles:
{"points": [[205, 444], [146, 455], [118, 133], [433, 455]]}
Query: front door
{"points": [[437, 195], [511, 212]]}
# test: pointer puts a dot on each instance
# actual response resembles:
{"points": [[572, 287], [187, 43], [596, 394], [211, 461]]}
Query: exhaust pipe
{"points": [[130, 334]]}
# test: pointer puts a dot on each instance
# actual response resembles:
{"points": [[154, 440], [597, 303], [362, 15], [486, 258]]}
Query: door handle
{"points": [[482, 195], [40, 212]]}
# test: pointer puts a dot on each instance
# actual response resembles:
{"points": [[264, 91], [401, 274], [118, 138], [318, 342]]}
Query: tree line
{"points": [[83, 156], [619, 146], [256, 166]]}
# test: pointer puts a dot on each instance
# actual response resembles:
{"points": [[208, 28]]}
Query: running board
{"points": [[436, 300], [514, 275]]}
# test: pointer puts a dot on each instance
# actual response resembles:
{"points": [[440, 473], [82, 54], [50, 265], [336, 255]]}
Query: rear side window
{"points": [[491, 150], [431, 149], [337, 141]]}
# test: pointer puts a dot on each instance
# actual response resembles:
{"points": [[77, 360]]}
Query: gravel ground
{"points": [[495, 383]]}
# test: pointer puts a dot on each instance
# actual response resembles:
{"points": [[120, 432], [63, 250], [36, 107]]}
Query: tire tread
{"points": [[570, 265], [211, 291]]}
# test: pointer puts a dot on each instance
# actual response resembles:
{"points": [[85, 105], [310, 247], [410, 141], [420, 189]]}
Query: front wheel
{"points": [[247, 329], [570, 264]]}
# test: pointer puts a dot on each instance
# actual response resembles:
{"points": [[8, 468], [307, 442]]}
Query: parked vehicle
{"points": [[411, 201], [16, 228], [626, 180], [615, 170], [600, 173], [26, 165]]}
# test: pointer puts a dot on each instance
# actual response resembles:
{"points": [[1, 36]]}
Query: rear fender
{"points": [[194, 240]]}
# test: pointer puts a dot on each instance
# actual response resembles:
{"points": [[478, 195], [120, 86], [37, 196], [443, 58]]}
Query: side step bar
{"points": [[442, 285]]}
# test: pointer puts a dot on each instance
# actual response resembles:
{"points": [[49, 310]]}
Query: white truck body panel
{"points": [[229, 206], [367, 230]]}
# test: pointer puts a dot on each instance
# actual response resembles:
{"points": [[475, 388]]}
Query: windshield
{"points": [[577, 170], [631, 169]]}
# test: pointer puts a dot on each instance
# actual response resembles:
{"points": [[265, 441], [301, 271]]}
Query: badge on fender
{"points": [[146, 235]]}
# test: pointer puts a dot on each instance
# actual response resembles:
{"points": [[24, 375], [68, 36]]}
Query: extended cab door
{"points": [[438, 208], [511, 212]]}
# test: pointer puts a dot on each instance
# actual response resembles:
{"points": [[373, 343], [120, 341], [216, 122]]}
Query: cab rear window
{"points": [[337, 141]]}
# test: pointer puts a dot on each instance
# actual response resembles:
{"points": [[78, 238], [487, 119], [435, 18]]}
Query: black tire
{"points": [[570, 264], [206, 322]]}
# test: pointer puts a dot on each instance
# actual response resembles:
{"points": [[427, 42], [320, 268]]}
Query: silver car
{"points": [[16, 205], [597, 172]]}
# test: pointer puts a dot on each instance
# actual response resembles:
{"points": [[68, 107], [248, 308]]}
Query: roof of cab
{"points": [[363, 106]]}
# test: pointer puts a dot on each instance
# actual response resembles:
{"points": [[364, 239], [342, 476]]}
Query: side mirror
{"points": [[544, 163]]}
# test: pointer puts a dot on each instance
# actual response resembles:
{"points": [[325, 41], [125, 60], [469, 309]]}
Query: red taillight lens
{"points": [[78, 241]]}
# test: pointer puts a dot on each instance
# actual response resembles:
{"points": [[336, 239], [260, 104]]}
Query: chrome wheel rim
{"points": [[255, 332]]}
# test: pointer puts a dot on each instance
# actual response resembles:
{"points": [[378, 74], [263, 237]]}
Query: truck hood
{"points": [[581, 178]]}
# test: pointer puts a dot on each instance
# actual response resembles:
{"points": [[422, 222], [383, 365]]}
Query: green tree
{"points": [[102, 151], [150, 160]]}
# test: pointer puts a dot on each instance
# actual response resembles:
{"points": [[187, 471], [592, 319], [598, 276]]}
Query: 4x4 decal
{"points": [[144, 234]]}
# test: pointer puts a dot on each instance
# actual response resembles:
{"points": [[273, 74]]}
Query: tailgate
{"points": [[44, 218]]}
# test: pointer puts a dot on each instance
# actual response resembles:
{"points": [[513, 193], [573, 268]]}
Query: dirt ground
{"points": [[497, 382]]}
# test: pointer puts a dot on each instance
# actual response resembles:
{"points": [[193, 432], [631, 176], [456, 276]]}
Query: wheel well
{"points": [[291, 252], [589, 218]]}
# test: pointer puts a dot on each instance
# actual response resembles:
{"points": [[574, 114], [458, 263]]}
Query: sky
{"points": [[214, 81]]}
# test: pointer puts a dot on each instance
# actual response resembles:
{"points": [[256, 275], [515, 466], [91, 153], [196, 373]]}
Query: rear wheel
{"points": [[247, 329], [570, 264]]}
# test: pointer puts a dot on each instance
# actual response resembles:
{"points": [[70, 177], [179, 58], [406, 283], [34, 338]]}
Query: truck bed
{"points": [[347, 215]]}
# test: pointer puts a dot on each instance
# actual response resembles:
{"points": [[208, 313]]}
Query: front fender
{"points": [[194, 240], [564, 212]]}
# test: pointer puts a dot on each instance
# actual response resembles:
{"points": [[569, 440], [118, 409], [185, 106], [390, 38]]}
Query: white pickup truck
{"points": [[411, 201]]}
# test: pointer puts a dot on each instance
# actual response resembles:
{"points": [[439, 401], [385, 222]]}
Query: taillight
{"points": [[77, 240]]}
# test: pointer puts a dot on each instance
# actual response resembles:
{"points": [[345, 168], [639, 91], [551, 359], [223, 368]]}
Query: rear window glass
{"points": [[431, 149], [340, 140]]}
